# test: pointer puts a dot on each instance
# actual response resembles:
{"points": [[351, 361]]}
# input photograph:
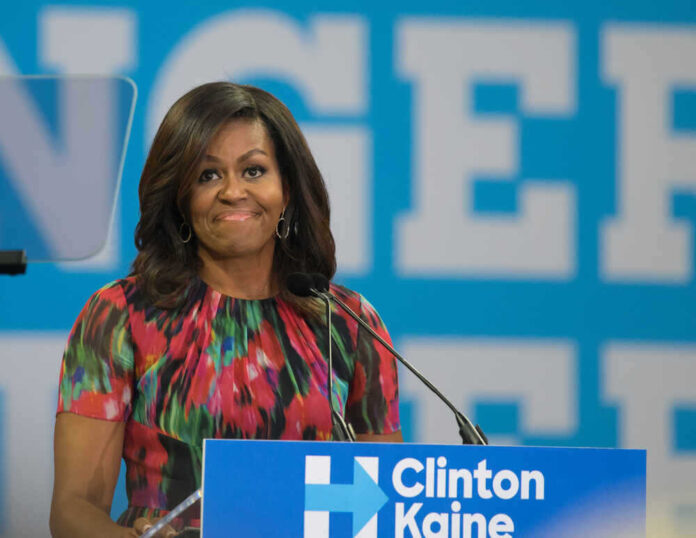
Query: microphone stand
{"points": [[340, 430], [470, 434], [167, 519]]}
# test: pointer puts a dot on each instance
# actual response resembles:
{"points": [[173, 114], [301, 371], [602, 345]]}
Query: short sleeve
{"points": [[373, 401], [96, 378]]}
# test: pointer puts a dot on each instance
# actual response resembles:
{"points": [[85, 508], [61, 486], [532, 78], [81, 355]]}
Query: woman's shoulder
{"points": [[118, 292], [130, 293], [356, 301], [106, 309], [352, 298]]}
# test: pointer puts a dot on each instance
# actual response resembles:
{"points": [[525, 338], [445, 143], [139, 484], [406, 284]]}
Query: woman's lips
{"points": [[235, 216]]}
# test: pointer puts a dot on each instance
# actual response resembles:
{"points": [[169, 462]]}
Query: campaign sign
{"points": [[369, 490]]}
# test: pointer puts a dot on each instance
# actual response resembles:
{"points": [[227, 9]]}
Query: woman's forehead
{"points": [[239, 136]]}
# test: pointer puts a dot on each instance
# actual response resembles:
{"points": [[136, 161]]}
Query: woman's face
{"points": [[237, 196]]}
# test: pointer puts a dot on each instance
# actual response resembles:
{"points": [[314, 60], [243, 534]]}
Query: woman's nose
{"points": [[231, 189]]}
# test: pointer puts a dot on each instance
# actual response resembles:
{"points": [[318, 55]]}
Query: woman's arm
{"points": [[87, 456]]}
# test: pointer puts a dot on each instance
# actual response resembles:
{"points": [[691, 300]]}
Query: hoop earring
{"points": [[286, 232], [185, 232]]}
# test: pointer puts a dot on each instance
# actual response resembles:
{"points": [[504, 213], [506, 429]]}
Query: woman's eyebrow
{"points": [[241, 158], [249, 153]]}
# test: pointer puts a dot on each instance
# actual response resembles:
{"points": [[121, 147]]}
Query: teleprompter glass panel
{"points": [[62, 145]]}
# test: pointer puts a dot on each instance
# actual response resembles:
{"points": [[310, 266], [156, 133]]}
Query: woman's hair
{"points": [[165, 264]]}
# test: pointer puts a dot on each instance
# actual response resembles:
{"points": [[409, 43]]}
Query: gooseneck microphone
{"points": [[302, 285], [318, 285]]}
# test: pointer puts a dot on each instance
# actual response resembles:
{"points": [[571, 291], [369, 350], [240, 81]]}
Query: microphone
{"points": [[302, 285], [470, 434], [321, 283]]}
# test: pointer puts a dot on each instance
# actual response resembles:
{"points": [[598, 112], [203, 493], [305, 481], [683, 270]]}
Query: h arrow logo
{"points": [[363, 498]]}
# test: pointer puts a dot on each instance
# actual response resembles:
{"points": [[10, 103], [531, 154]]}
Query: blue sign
{"points": [[370, 490]]}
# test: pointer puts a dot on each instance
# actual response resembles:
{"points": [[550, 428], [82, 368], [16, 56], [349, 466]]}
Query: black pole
{"points": [[13, 262]]}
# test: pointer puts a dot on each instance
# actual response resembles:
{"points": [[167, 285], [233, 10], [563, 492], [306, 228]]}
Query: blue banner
{"points": [[365, 490], [512, 187]]}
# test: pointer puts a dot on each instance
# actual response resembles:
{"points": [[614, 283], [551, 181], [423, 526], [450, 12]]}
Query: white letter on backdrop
{"points": [[325, 61], [540, 376], [77, 40], [648, 382], [28, 397], [643, 241], [452, 146]]}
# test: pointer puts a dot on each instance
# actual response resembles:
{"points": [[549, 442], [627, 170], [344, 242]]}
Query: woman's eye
{"points": [[209, 175], [254, 172]]}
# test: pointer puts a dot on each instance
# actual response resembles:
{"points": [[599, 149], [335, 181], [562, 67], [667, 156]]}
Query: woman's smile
{"points": [[239, 215]]}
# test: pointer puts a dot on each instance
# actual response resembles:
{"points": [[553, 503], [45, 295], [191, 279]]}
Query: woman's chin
{"points": [[238, 250]]}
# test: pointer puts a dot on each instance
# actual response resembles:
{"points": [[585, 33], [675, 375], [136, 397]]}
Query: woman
{"points": [[203, 340]]}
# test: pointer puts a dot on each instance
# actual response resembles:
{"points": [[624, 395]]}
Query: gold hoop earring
{"points": [[286, 232], [185, 232]]}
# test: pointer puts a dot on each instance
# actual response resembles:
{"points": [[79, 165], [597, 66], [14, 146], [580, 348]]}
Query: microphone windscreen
{"points": [[300, 284], [320, 282]]}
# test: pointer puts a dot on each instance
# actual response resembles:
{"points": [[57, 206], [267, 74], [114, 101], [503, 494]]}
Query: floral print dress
{"points": [[217, 367]]}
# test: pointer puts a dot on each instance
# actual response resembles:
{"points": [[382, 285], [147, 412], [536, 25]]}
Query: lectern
{"points": [[368, 490]]}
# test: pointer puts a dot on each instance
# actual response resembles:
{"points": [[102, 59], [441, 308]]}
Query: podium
{"points": [[370, 490]]}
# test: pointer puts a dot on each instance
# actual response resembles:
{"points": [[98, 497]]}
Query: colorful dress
{"points": [[217, 367]]}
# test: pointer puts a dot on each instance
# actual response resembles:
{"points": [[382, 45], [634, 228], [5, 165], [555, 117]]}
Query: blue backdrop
{"points": [[513, 189]]}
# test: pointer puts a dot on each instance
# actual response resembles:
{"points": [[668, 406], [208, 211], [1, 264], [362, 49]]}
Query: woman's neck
{"points": [[243, 278]]}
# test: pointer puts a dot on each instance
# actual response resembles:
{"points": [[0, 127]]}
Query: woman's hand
{"points": [[143, 524]]}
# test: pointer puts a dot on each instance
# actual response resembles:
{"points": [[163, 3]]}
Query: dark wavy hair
{"points": [[165, 265]]}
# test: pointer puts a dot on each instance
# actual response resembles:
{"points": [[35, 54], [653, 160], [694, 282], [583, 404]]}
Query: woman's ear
{"points": [[286, 195]]}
